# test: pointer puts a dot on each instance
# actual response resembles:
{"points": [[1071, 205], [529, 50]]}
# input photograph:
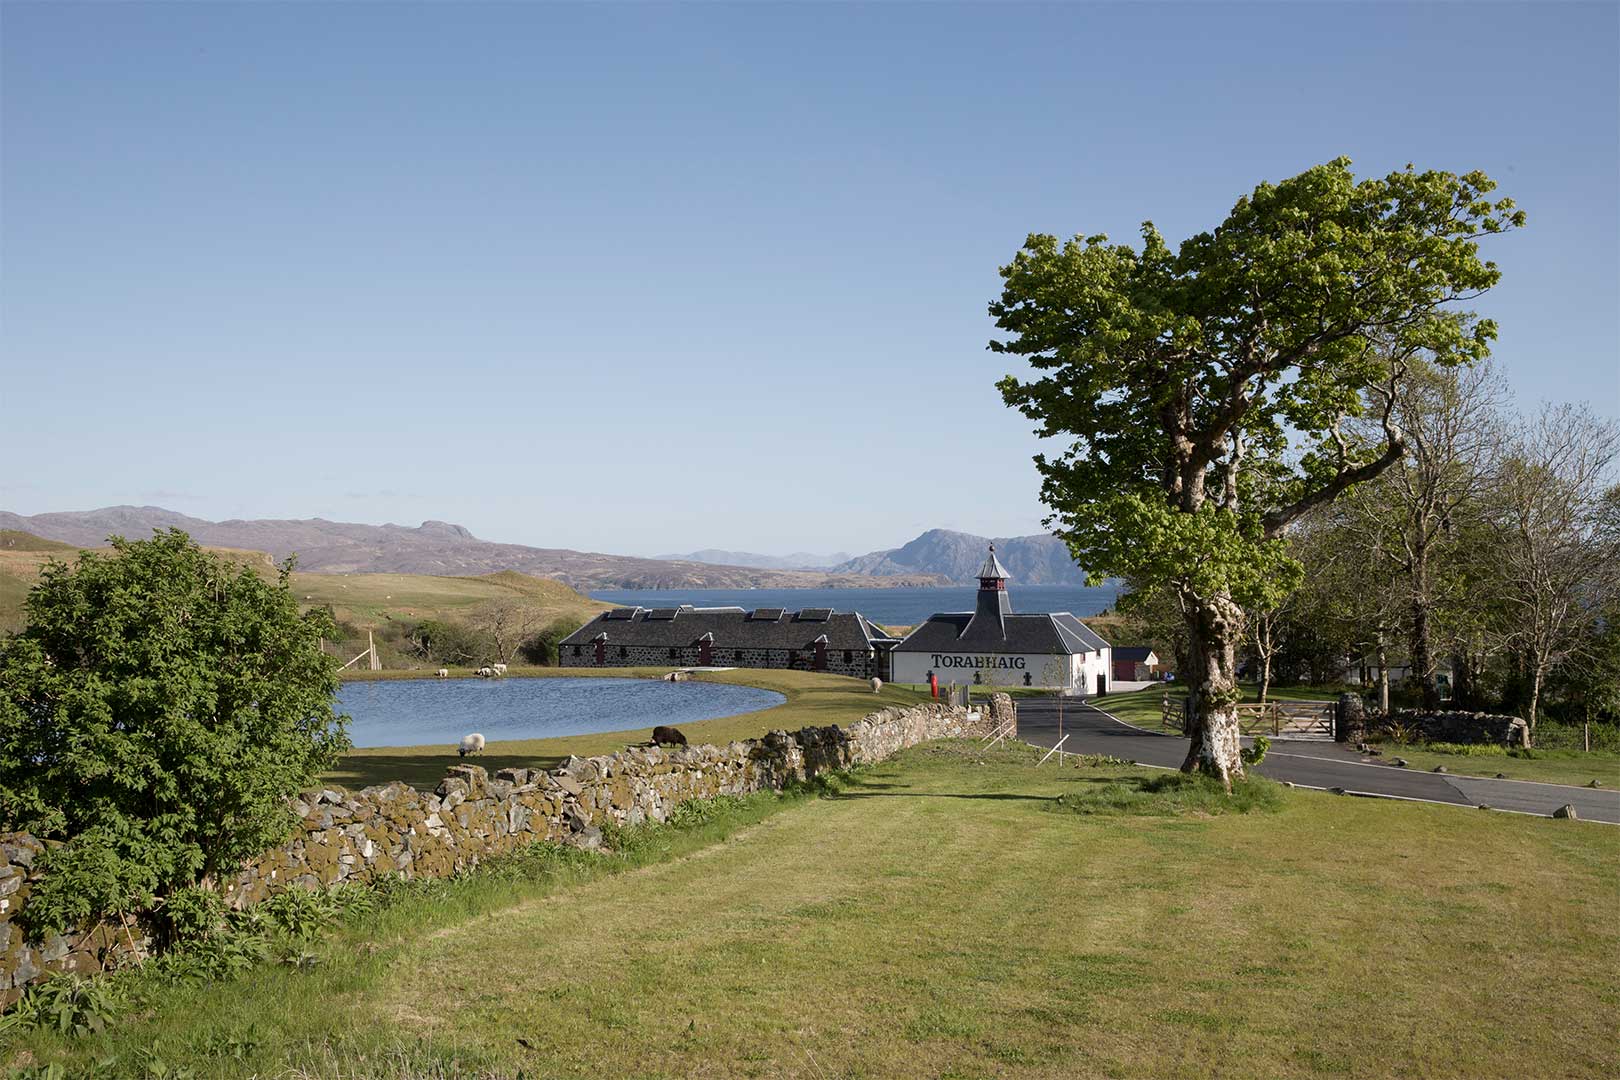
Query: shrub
{"points": [[1254, 755], [299, 913], [452, 644], [155, 714], [189, 914], [1173, 793], [65, 1004]]}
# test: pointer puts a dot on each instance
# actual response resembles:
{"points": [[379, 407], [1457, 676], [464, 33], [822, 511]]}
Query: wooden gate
{"points": [[1299, 719]]}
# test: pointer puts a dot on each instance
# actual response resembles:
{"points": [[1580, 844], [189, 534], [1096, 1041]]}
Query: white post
{"points": [[1055, 750]]}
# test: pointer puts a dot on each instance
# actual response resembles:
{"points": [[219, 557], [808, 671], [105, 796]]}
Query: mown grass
{"points": [[813, 698], [1544, 766], [946, 915]]}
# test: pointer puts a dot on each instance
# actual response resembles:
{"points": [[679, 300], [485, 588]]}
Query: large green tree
{"points": [[1205, 390], [155, 713]]}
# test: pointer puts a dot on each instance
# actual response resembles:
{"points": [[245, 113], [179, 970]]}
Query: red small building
{"points": [[1135, 663]]}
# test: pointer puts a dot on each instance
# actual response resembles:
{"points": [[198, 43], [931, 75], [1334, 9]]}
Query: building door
{"points": [[706, 651], [601, 652], [1102, 684], [821, 656]]}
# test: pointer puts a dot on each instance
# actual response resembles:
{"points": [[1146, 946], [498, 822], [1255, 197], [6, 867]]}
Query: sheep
{"points": [[668, 736], [444, 673], [877, 685], [499, 669], [470, 744], [485, 673]]}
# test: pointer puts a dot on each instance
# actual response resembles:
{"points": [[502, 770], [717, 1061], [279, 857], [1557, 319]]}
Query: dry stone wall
{"points": [[395, 829]]}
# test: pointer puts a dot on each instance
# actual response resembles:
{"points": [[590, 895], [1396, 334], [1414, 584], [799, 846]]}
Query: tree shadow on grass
{"points": [[991, 795]]}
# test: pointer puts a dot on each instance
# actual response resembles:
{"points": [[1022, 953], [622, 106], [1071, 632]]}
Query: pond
{"points": [[413, 712]]}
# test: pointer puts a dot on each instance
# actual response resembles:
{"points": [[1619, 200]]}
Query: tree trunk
{"points": [[1383, 674], [1214, 627], [1265, 676], [1462, 681], [1422, 658], [1535, 696]]}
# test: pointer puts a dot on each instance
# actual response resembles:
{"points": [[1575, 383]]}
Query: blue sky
{"points": [[646, 279]]}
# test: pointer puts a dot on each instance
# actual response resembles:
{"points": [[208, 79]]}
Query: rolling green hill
{"points": [[359, 601]]}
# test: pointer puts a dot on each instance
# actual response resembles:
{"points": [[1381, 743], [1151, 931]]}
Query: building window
{"points": [[849, 656], [674, 653], [577, 648], [624, 651]]}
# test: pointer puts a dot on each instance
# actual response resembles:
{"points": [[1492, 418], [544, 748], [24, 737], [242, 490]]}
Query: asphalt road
{"points": [[1309, 764]]}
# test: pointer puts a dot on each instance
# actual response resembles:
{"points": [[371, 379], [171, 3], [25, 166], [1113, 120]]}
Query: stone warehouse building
{"points": [[993, 646], [815, 639]]}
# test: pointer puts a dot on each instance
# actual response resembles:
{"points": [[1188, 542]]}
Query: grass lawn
{"points": [[812, 699], [947, 916], [1548, 766]]}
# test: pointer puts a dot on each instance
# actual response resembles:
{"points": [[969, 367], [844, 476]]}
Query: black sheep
{"points": [[668, 736]]}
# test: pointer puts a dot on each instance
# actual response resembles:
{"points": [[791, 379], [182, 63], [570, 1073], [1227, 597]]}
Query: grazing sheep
{"points": [[485, 673], [877, 685], [471, 744], [444, 673], [668, 736], [499, 669]]}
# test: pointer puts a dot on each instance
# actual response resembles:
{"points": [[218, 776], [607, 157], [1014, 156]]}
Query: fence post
{"points": [[1586, 734]]}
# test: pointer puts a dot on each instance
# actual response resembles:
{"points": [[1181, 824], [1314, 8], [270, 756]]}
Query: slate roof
{"points": [[1138, 653], [1059, 633], [732, 627], [992, 567]]}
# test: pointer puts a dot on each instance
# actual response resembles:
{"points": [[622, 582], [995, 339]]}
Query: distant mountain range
{"points": [[799, 560], [434, 547], [1031, 560], [937, 557]]}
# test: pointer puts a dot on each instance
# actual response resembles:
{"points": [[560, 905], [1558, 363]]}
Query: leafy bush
{"points": [[1254, 755], [299, 913], [155, 714], [67, 1005], [187, 915], [452, 644]]}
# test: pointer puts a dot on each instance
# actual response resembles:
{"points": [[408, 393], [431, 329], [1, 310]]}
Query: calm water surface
{"points": [[412, 712], [892, 607]]}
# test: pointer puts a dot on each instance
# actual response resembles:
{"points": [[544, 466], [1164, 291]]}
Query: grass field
{"points": [[812, 699], [947, 916], [365, 601]]}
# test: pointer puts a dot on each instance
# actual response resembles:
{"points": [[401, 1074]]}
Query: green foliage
{"points": [[1254, 755], [1204, 389], [453, 644], [189, 914], [1172, 794], [155, 714], [66, 1004], [541, 648], [695, 812], [300, 913]]}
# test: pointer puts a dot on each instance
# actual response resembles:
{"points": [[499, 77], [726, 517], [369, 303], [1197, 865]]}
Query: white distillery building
{"points": [[992, 645]]}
